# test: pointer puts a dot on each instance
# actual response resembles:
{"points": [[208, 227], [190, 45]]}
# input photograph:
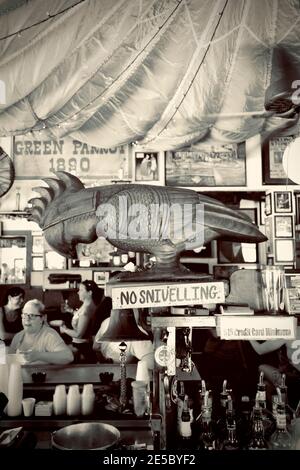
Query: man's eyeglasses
{"points": [[30, 315]]}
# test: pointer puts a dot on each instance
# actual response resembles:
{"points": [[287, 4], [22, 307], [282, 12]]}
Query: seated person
{"points": [[102, 312], [10, 314], [82, 322], [289, 364], [136, 350], [37, 341], [225, 359]]}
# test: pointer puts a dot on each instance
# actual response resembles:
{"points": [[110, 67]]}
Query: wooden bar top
{"points": [[74, 373]]}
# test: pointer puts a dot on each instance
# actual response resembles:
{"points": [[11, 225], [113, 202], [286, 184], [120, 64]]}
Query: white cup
{"points": [[140, 397], [28, 406], [142, 372]]}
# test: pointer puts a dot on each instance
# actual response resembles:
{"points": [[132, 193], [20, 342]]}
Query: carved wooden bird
{"points": [[159, 220]]}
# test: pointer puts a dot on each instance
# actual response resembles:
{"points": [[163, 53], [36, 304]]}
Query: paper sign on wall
{"points": [[36, 159], [256, 327], [165, 295]]}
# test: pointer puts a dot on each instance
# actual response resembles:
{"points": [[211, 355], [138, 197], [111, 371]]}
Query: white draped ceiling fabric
{"points": [[163, 73]]}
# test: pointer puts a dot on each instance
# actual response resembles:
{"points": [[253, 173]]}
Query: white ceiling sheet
{"points": [[164, 73]]}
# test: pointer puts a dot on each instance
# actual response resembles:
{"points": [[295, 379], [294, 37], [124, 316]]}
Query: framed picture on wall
{"points": [[272, 154], [284, 251], [100, 277], [292, 291], [38, 244], [282, 201], [270, 235], [146, 166], [297, 202], [209, 166], [262, 212], [37, 263], [283, 226], [268, 204]]}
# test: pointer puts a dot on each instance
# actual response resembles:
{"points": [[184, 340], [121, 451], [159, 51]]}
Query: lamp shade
{"points": [[123, 327], [291, 161]]}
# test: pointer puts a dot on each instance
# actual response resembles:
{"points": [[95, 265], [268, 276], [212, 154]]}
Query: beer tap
{"points": [[186, 363]]}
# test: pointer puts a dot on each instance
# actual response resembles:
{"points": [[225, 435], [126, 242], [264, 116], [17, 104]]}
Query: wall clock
{"points": [[7, 172]]}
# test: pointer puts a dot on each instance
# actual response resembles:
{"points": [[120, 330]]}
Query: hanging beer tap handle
{"points": [[166, 381], [165, 335]]}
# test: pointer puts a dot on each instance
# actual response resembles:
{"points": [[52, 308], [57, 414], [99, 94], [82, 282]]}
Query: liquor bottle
{"points": [[281, 439], [257, 439], [261, 391], [185, 429], [221, 413], [207, 438], [268, 420], [224, 395], [202, 392], [283, 389], [284, 396], [179, 402], [244, 424], [295, 428], [231, 441]]}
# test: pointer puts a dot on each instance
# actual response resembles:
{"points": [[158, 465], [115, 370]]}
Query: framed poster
{"points": [[292, 291], [37, 263], [270, 235], [297, 202], [16, 257], [283, 226], [99, 251], [282, 201], [236, 252], [262, 212], [38, 244], [208, 166], [146, 166], [268, 204], [100, 277], [272, 153], [284, 251]]}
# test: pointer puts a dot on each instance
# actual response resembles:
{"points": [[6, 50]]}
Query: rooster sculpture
{"points": [[162, 221]]}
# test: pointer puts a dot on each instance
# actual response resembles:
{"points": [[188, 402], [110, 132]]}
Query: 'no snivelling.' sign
{"points": [[165, 295]]}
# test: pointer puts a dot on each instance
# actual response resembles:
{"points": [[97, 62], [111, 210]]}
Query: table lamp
{"points": [[123, 328]]}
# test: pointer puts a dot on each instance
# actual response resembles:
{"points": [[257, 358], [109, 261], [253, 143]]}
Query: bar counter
{"points": [[74, 373], [135, 432]]}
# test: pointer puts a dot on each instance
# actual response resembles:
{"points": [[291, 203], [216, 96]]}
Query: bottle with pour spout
{"points": [[267, 417], [207, 438], [281, 439], [257, 439]]}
